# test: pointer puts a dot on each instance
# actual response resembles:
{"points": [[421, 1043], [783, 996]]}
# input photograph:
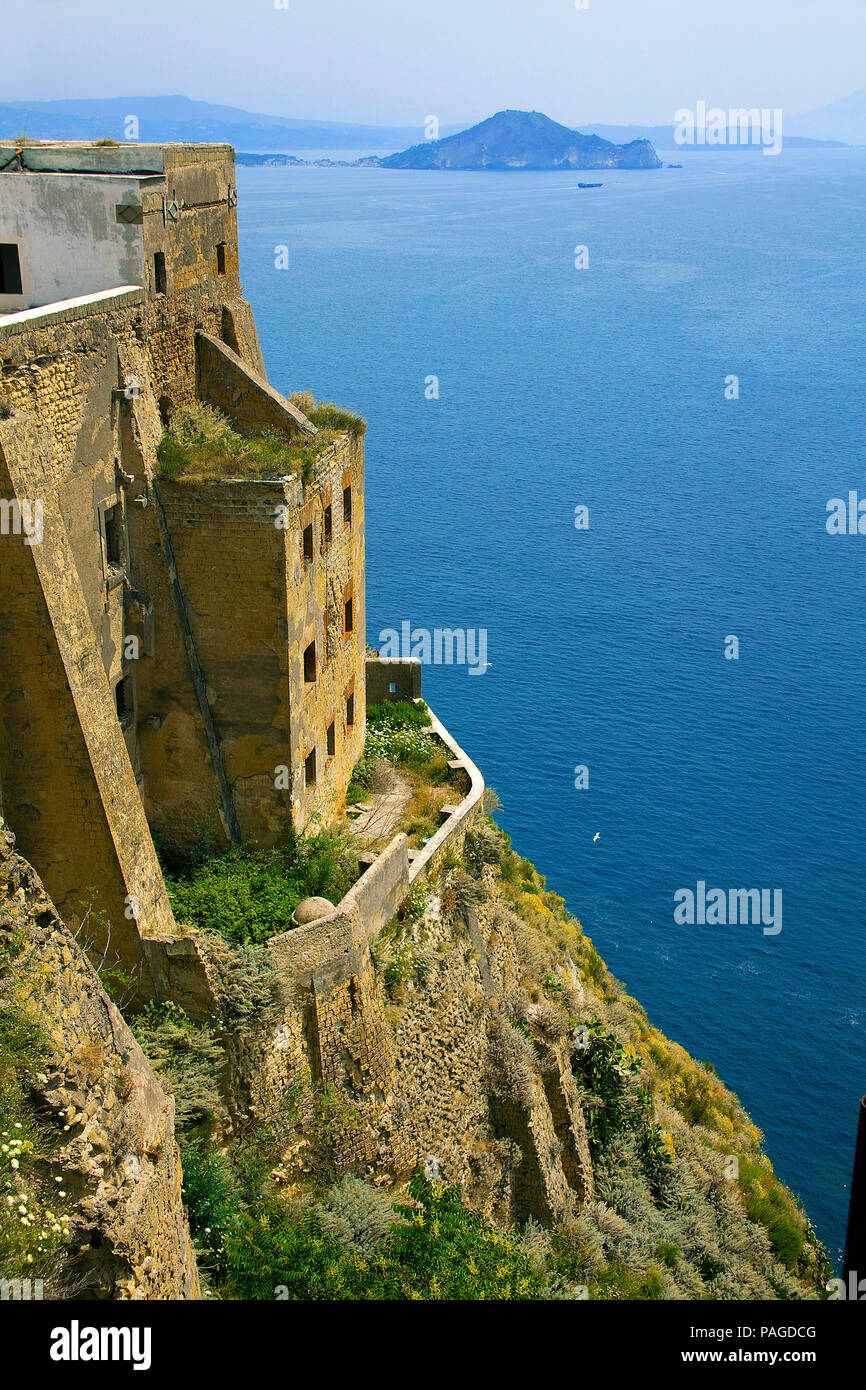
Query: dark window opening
{"points": [[129, 214], [10, 269], [111, 521], [123, 700], [332, 740], [310, 769], [310, 662], [160, 283], [347, 506], [308, 544], [329, 525], [350, 711], [230, 337], [350, 617], [221, 258], [165, 411]]}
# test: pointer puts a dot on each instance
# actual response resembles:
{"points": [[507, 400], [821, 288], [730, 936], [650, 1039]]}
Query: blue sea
{"points": [[604, 387]]}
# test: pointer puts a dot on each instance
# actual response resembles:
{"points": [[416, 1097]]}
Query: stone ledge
{"points": [[67, 310]]}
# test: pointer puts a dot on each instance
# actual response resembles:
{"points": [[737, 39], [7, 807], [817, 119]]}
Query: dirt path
{"points": [[385, 813]]}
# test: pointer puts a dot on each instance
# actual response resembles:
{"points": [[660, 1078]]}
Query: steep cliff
{"points": [[479, 1043], [561, 1147], [89, 1171]]}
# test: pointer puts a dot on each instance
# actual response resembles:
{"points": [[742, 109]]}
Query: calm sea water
{"points": [[605, 387]]}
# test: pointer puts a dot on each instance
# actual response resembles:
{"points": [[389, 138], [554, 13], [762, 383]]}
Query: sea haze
{"points": [[605, 387]]}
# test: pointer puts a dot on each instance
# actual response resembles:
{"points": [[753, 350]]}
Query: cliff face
{"points": [[96, 1170], [541, 1088], [478, 1037], [524, 140]]}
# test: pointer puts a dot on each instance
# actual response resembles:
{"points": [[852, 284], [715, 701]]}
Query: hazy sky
{"points": [[397, 61]]}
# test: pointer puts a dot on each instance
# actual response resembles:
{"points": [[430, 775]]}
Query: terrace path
{"points": [[385, 814]]}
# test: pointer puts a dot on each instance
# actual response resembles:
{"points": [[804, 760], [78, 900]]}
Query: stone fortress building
{"points": [[182, 661], [177, 658]]}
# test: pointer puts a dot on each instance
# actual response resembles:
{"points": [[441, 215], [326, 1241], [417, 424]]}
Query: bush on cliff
{"points": [[437, 1249], [187, 1058], [34, 1225]]}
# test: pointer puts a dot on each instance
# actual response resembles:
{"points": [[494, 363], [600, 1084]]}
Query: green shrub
{"points": [[358, 1214], [410, 746], [414, 905], [768, 1203], [330, 417], [616, 1281], [250, 894], [188, 1059], [484, 844], [398, 714], [197, 423], [437, 1249], [669, 1254], [609, 1074], [213, 1206], [509, 1072]]}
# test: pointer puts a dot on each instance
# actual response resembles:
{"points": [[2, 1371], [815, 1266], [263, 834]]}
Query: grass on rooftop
{"points": [[201, 446]]}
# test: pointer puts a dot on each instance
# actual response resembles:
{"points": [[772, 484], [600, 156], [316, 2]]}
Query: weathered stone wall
{"points": [[254, 605], [519, 1150], [230, 561], [62, 748], [71, 242], [382, 887], [317, 594], [121, 692], [116, 1158], [228, 384], [403, 675]]}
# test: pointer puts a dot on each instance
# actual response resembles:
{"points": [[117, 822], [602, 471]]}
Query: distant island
{"points": [[523, 140]]}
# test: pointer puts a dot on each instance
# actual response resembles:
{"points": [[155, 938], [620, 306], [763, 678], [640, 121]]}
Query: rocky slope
{"points": [[88, 1154], [568, 1149]]}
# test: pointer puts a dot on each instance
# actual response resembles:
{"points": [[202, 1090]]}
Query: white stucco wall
{"points": [[70, 242]]}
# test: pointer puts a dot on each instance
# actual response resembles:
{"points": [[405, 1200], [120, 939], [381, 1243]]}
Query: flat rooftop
{"points": [[87, 157]]}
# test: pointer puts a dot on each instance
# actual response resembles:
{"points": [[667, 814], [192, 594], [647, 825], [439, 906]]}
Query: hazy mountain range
{"points": [[662, 136], [180, 118], [841, 120]]}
